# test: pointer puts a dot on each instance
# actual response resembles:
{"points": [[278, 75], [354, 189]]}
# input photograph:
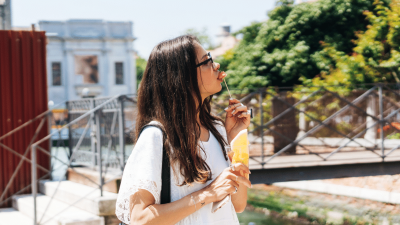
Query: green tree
{"points": [[376, 56], [287, 47], [140, 67]]}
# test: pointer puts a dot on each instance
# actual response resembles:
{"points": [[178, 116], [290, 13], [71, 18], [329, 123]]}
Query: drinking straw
{"points": [[228, 89]]}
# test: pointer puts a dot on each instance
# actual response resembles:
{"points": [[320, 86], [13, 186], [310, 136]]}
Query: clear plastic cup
{"points": [[239, 154]]}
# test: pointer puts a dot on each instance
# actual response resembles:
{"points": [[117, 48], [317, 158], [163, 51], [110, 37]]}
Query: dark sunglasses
{"points": [[206, 61]]}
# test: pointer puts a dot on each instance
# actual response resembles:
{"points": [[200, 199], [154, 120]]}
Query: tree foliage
{"points": [[287, 47], [140, 67], [376, 56]]}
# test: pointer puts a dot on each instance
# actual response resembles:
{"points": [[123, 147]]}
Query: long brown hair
{"points": [[168, 94]]}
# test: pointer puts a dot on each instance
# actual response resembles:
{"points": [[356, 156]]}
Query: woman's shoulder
{"points": [[149, 144], [151, 131]]}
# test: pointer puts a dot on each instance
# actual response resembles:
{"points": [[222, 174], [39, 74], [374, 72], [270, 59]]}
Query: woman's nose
{"points": [[216, 66]]}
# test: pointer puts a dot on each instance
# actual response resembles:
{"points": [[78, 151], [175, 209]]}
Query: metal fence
{"points": [[321, 121], [90, 132], [317, 122], [106, 125]]}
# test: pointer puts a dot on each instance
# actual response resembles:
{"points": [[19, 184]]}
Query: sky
{"points": [[153, 20]]}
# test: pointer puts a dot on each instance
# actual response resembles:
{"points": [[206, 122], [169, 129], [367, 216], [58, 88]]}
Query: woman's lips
{"points": [[221, 75]]}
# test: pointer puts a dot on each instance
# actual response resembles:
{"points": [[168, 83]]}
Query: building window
{"points": [[119, 73], [87, 67], [56, 73]]}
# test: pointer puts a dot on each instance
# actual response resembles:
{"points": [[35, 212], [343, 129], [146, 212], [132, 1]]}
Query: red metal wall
{"points": [[23, 96]]}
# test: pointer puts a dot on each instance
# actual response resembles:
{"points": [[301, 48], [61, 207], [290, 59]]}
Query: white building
{"points": [[93, 54], [5, 14]]}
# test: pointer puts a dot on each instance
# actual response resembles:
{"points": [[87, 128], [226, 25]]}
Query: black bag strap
{"points": [[165, 171]]}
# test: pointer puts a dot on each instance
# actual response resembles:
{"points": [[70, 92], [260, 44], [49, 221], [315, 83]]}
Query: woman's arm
{"points": [[239, 199], [237, 119], [143, 209]]}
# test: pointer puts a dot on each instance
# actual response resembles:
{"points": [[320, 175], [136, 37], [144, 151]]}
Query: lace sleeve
{"points": [[142, 171]]}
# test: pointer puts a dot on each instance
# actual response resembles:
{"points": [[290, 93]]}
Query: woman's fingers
{"points": [[239, 109], [240, 166], [233, 185], [245, 114], [241, 180], [233, 101], [236, 178], [233, 107]]}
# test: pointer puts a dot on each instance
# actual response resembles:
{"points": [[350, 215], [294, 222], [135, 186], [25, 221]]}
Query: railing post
{"points": [[121, 127], [302, 119], [67, 104], [372, 110], [381, 122], [261, 128], [34, 178], [93, 134], [49, 120], [98, 145]]}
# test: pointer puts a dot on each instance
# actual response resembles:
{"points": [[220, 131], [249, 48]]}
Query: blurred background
{"points": [[322, 77]]}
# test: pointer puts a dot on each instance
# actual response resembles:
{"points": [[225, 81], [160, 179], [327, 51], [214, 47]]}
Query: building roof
{"points": [[88, 29]]}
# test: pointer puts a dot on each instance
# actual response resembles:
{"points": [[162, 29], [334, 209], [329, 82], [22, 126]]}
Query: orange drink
{"points": [[240, 149]]}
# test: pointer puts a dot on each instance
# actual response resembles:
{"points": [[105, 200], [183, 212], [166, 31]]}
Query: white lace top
{"points": [[143, 171]]}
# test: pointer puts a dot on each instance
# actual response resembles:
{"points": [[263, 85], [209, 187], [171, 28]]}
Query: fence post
{"points": [[371, 109], [121, 127], [93, 134], [98, 145], [261, 128], [49, 121], [68, 107], [34, 178], [302, 120], [381, 122]]}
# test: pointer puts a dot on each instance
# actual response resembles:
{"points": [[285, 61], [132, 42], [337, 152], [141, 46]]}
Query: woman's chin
{"points": [[219, 89]]}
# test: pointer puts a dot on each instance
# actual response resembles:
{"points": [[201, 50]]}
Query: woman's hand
{"points": [[237, 118], [226, 182]]}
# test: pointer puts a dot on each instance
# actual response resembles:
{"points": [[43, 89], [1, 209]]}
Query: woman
{"points": [[176, 92]]}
